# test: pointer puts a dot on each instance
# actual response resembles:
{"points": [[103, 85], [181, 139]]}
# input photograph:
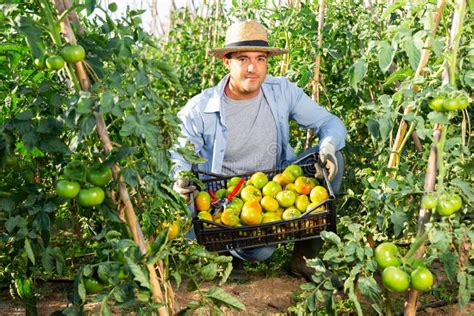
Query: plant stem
{"points": [[419, 241], [440, 163]]}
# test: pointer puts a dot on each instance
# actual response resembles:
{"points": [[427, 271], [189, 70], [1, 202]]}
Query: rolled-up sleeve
{"points": [[309, 114]]}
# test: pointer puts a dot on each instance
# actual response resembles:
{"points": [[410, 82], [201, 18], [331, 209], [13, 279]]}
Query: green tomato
{"points": [[395, 279], [91, 197], [73, 53], [54, 62], [93, 286], [421, 279], [437, 104], [39, 62], [462, 102], [448, 204], [450, 105], [429, 201], [99, 176], [67, 189], [386, 255]]}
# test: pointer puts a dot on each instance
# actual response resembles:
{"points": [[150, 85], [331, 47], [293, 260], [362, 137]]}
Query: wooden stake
{"points": [[317, 71], [132, 220], [431, 172]]}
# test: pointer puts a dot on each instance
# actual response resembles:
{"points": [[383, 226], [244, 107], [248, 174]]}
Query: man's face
{"points": [[247, 73]]}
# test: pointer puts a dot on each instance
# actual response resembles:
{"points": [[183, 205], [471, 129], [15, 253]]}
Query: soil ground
{"points": [[261, 296]]}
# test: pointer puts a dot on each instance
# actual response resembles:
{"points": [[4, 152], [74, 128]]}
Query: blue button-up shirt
{"points": [[203, 123]]}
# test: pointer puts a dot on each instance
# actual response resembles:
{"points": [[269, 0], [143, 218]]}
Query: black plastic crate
{"points": [[220, 237]]}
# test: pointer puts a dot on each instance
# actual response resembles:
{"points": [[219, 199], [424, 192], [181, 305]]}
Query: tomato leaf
{"points": [[385, 55], [29, 251], [33, 35], [412, 52], [217, 294], [358, 72], [104, 308], [449, 261], [398, 218], [369, 287], [209, 271], [138, 273], [106, 101], [326, 235], [465, 188], [465, 288]]}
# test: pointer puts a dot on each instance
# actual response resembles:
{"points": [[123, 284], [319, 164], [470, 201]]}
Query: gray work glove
{"points": [[182, 187], [327, 155]]}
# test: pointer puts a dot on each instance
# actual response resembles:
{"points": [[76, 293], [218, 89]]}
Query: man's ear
{"points": [[226, 62]]}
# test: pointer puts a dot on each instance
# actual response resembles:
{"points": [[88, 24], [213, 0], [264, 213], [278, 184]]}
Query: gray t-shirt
{"points": [[251, 136]]}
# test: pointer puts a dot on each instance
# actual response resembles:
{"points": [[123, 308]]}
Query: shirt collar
{"points": [[214, 104]]}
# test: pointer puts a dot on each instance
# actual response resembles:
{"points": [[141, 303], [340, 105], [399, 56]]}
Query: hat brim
{"points": [[221, 52]]}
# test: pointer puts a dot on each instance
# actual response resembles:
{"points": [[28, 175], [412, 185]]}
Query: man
{"points": [[241, 125]]}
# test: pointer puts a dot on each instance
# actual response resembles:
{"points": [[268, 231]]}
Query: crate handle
{"points": [[307, 212]]}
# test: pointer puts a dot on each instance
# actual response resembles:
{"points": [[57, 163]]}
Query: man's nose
{"points": [[251, 67]]}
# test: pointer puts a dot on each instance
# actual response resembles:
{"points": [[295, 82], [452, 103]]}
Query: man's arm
{"points": [[191, 129], [308, 114]]}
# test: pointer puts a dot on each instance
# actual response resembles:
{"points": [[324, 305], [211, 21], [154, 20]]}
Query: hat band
{"points": [[249, 43]]}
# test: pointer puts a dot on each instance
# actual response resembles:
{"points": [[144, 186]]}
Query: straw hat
{"points": [[246, 36]]}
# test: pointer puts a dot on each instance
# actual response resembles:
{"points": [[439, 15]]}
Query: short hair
{"points": [[228, 55]]}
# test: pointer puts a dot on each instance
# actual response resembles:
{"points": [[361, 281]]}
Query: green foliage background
{"points": [[369, 57]]}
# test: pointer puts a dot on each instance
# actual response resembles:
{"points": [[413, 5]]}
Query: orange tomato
{"points": [[303, 185], [251, 213], [202, 201], [229, 218]]}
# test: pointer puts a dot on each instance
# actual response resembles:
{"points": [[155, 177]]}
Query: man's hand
{"points": [[327, 155], [182, 187]]}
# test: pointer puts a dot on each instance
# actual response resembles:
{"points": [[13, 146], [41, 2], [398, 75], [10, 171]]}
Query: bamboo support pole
{"points": [[434, 160], [103, 134], [402, 128], [214, 39], [317, 70]]}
